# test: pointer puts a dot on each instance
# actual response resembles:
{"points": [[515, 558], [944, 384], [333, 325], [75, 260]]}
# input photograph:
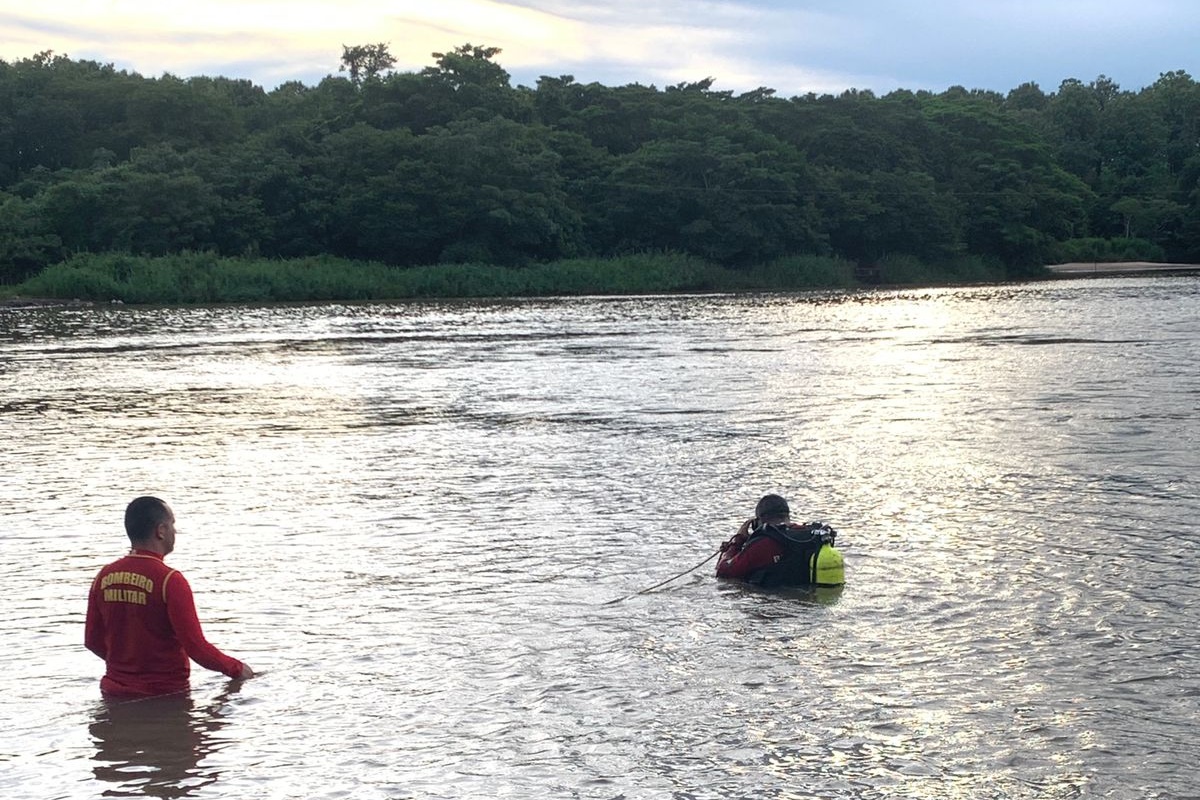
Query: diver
{"points": [[770, 550]]}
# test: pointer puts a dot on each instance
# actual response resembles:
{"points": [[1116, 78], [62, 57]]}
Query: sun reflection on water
{"points": [[411, 516]]}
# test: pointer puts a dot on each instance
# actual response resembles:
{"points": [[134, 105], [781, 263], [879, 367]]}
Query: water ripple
{"points": [[415, 518]]}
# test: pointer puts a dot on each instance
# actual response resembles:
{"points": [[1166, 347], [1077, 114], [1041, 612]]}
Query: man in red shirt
{"points": [[141, 618], [771, 550]]}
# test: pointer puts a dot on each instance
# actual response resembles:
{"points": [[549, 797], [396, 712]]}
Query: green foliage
{"points": [[365, 62], [975, 269], [27, 243], [1100, 250], [208, 278], [906, 270], [469, 65], [802, 272], [452, 165]]}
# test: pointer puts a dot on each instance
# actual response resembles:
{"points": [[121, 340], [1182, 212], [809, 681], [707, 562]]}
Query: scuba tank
{"points": [[810, 558]]}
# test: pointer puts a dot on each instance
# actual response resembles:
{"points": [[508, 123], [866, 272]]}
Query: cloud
{"points": [[793, 46], [617, 42]]}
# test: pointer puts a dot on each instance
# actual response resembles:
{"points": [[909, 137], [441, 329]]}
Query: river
{"points": [[414, 520]]}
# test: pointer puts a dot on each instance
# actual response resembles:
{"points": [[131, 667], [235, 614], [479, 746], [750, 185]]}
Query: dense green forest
{"points": [[454, 165]]}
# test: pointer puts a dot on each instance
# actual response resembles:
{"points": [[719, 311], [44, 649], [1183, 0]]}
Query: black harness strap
{"points": [[801, 547]]}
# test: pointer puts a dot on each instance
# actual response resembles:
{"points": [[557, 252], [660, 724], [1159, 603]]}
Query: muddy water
{"points": [[412, 518]]}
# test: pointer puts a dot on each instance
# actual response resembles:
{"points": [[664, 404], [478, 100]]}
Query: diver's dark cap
{"points": [[772, 506]]}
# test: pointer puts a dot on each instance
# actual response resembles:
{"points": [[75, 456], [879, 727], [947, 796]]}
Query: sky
{"points": [[792, 46]]}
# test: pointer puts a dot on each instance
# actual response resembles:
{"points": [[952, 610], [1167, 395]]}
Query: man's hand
{"points": [[735, 543], [246, 672]]}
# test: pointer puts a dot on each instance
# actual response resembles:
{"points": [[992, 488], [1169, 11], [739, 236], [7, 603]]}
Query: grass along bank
{"points": [[197, 278]]}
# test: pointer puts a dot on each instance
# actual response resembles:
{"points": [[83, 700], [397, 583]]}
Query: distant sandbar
{"points": [[1117, 267]]}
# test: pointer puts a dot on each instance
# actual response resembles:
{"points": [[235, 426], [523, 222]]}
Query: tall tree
{"points": [[366, 62]]}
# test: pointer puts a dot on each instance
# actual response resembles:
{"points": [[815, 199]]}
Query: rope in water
{"points": [[662, 583]]}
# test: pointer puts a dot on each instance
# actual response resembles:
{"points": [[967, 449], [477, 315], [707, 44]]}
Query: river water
{"points": [[414, 518]]}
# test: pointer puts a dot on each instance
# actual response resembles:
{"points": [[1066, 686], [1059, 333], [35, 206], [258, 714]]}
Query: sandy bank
{"points": [[1102, 268], [40, 302]]}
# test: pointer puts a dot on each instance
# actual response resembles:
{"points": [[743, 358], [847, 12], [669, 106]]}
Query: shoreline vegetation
{"points": [[204, 278], [452, 182]]}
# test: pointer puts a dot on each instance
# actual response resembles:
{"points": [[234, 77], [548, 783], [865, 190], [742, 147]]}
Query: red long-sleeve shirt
{"points": [[141, 620], [740, 560]]}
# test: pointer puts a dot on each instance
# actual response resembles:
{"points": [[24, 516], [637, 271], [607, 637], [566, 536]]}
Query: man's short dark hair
{"points": [[142, 516], [772, 507]]}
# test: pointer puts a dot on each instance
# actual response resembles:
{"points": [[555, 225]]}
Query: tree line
{"points": [[454, 164]]}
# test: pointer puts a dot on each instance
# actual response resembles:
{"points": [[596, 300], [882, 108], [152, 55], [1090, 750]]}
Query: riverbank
{"points": [[16, 301], [1118, 268], [204, 278]]}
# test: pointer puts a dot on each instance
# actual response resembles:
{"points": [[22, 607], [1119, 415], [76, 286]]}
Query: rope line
{"points": [[662, 583]]}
